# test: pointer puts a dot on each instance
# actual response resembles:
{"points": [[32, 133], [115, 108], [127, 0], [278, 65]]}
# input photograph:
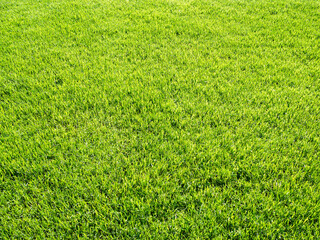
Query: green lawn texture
{"points": [[159, 119]]}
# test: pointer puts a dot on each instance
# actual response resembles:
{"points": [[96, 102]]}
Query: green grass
{"points": [[159, 119]]}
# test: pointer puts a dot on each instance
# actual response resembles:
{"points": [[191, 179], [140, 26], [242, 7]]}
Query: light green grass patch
{"points": [[159, 119]]}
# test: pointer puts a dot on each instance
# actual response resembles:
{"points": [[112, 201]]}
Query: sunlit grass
{"points": [[159, 119]]}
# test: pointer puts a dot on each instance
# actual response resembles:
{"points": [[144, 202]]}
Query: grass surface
{"points": [[160, 119]]}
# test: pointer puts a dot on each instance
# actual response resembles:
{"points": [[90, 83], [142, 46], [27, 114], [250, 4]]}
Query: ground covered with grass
{"points": [[159, 119]]}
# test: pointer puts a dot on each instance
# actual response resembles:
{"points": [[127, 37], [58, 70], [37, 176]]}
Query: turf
{"points": [[158, 119]]}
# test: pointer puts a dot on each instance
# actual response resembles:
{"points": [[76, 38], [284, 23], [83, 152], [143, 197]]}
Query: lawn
{"points": [[160, 119]]}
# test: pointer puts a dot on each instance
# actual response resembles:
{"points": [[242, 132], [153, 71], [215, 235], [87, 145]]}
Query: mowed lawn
{"points": [[159, 119]]}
